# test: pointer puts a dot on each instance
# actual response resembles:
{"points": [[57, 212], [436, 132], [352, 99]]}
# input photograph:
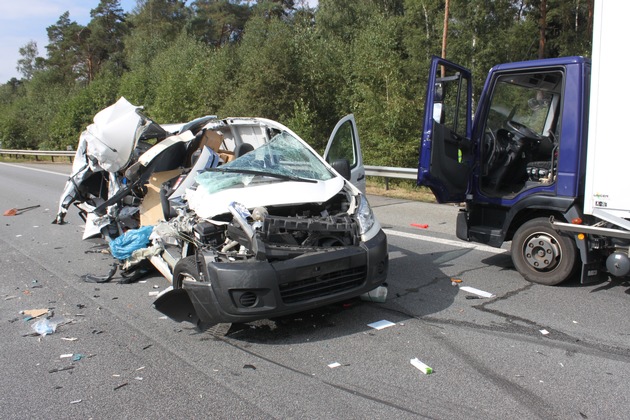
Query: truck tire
{"points": [[543, 255], [186, 268]]}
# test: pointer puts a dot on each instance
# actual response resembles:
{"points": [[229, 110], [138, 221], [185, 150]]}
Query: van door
{"points": [[445, 152], [344, 144]]}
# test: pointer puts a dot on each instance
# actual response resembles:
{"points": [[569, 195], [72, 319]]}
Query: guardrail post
{"points": [[386, 184]]}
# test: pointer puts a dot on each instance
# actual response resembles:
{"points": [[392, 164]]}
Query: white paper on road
{"points": [[379, 325], [476, 292]]}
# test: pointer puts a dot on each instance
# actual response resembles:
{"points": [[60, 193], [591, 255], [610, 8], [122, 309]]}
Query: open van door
{"points": [[446, 152], [344, 146]]}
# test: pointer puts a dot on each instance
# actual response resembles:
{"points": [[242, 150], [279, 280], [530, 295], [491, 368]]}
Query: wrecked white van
{"points": [[249, 222]]}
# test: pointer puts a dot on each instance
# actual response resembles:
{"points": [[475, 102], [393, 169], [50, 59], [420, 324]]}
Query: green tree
{"points": [[64, 49]]}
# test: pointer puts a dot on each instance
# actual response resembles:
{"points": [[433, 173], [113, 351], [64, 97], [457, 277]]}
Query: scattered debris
{"points": [[15, 211], [140, 368], [61, 369], [334, 365], [69, 338], [10, 297], [544, 332], [75, 401], [378, 295], [138, 378], [65, 356], [252, 367], [379, 325], [420, 225], [121, 385], [473, 297], [154, 293], [477, 292], [45, 326], [421, 366], [77, 357], [147, 346], [455, 282], [35, 313]]}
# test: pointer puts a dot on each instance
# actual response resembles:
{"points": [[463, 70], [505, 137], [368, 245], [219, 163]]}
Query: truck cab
{"points": [[517, 163]]}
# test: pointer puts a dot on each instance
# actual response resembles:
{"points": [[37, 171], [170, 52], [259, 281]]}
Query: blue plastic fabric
{"points": [[123, 246]]}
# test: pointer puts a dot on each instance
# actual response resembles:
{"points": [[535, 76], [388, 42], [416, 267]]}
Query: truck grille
{"points": [[323, 285]]}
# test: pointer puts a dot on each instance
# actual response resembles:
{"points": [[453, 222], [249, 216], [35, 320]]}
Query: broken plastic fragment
{"points": [[421, 366], [477, 292], [544, 332], [420, 225], [375, 295], [379, 325], [334, 365], [44, 326]]}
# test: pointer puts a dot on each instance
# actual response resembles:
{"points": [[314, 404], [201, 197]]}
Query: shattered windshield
{"points": [[283, 158]]}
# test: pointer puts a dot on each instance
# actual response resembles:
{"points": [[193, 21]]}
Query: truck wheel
{"points": [[186, 268], [541, 254]]}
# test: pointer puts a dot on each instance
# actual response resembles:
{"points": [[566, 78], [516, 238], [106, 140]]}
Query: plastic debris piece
{"points": [[473, 297], [140, 368], [61, 369], [544, 332], [334, 365], [15, 211], [65, 356], [77, 357], [138, 378], [454, 280], [154, 293], [44, 326], [34, 313], [121, 385], [427, 370], [10, 297], [379, 325], [378, 295], [477, 292], [75, 401], [69, 338], [252, 367], [420, 225], [123, 246]]}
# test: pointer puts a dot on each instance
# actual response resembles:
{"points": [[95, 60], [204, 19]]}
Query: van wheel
{"points": [[185, 269], [543, 255]]}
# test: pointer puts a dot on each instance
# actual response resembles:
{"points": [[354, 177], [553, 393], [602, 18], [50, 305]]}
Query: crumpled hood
{"points": [[208, 205]]}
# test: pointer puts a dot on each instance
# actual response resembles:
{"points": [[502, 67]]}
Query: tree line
{"points": [[277, 59]]}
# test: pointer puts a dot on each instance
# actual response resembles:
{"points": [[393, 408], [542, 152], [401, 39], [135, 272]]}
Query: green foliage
{"points": [[271, 58]]}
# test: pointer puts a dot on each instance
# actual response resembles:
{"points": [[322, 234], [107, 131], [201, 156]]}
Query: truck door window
{"points": [[520, 142], [449, 105]]}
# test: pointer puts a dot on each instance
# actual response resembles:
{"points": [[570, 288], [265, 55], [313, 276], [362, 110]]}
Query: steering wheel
{"points": [[523, 130]]}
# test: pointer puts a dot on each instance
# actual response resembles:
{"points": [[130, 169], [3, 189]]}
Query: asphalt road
{"points": [[490, 359]]}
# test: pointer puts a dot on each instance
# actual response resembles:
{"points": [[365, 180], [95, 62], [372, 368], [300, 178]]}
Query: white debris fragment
{"points": [[477, 292], [69, 338], [154, 293], [334, 365], [65, 356], [379, 325], [421, 366], [544, 332]]}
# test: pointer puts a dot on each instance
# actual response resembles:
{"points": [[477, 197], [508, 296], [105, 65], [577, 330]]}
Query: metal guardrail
{"points": [[37, 153], [386, 172]]}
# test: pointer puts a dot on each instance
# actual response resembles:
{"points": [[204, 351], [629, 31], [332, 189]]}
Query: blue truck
{"points": [[541, 162]]}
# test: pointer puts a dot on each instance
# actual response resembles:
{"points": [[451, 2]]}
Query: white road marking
{"points": [[35, 169], [459, 244]]}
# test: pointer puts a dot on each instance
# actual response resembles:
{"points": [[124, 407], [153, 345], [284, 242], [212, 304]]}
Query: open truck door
{"points": [[445, 152], [343, 152]]}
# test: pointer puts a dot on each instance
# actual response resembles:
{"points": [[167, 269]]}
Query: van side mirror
{"points": [[343, 167]]}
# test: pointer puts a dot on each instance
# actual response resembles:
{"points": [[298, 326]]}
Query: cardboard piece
{"points": [[151, 207], [34, 313]]}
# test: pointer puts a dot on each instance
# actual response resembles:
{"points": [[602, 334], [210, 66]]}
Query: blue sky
{"points": [[26, 20]]}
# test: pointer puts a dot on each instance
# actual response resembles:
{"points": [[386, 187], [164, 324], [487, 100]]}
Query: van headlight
{"points": [[365, 217]]}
